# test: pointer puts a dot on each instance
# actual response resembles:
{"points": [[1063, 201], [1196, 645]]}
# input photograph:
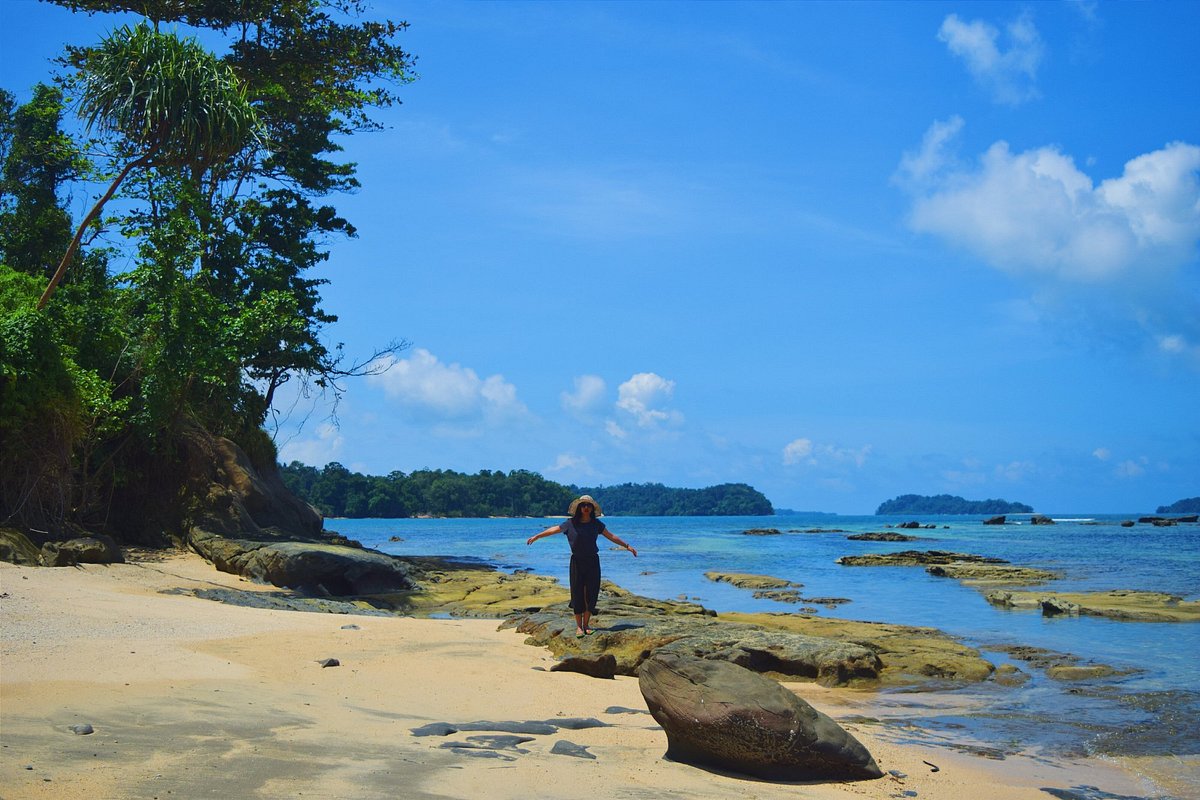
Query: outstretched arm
{"points": [[612, 537], [553, 529]]}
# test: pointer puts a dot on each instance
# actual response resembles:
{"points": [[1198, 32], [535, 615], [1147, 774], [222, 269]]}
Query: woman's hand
{"points": [[631, 549], [531, 540]]}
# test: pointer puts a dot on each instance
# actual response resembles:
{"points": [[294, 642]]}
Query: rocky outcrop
{"points": [[885, 536], [914, 558], [744, 580], [1000, 520], [992, 575], [1040, 519], [98, 548], [312, 567], [94, 549], [239, 500], [717, 714], [1135, 606], [763, 532]]}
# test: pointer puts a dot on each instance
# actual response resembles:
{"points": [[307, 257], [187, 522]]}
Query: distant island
{"points": [[1190, 505], [656, 500], [336, 491], [949, 504]]}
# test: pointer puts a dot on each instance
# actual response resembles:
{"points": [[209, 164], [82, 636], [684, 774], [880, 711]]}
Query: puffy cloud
{"points": [[1102, 453], [424, 384], [587, 396], [643, 396], [1008, 74], [1035, 211], [316, 451], [570, 464], [797, 451], [805, 451]]}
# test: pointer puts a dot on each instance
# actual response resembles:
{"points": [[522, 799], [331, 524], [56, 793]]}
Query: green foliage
{"points": [[654, 499], [1189, 505], [223, 163], [949, 504], [338, 492], [37, 160], [166, 96]]}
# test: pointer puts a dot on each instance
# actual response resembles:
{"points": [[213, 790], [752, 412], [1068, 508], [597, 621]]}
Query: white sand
{"points": [[191, 698]]}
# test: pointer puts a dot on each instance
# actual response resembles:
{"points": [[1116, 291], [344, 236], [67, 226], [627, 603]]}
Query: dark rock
{"points": [[882, 537], [492, 742], [720, 715], [1189, 518], [1164, 523], [603, 665], [329, 662], [1040, 519], [395, 539], [82, 730], [350, 627], [912, 558], [1000, 520], [911, 525], [624, 710], [1126, 523], [1150, 520], [564, 748], [95, 549], [577, 723], [533, 728], [763, 532], [318, 568]]}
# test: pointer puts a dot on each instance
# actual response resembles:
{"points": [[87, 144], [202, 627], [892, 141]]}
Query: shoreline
{"points": [[194, 697]]}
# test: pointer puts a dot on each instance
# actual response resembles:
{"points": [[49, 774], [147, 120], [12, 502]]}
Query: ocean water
{"points": [[1154, 711]]}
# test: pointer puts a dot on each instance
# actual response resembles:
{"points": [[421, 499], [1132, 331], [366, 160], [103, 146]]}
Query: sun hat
{"points": [[587, 498]]}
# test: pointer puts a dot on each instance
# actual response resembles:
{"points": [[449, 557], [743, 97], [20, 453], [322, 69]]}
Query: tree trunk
{"points": [[95, 212]]}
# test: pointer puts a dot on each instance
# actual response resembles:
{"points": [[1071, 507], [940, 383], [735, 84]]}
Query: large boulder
{"points": [[326, 569], [94, 549], [720, 715]]}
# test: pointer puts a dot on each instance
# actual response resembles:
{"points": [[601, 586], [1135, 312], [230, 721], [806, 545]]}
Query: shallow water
{"points": [[1155, 711]]}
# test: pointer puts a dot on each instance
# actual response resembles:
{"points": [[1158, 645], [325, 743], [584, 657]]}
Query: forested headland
{"points": [[337, 492], [175, 308], [1188, 505], [948, 504]]}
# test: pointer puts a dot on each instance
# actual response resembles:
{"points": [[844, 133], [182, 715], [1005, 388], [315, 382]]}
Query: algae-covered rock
{"points": [[16, 548], [915, 558], [1127, 605], [744, 580], [95, 549], [992, 575]]}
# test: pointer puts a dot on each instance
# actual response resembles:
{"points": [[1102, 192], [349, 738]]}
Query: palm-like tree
{"points": [[173, 102]]}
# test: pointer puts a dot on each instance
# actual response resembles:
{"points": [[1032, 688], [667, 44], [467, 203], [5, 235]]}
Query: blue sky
{"points": [[839, 251]]}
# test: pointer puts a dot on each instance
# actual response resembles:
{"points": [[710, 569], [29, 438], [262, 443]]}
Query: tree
{"points": [[171, 103]]}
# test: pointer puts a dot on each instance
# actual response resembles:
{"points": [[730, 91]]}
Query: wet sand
{"points": [[192, 698]]}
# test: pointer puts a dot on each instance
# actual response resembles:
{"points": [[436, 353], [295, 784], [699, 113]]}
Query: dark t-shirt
{"points": [[582, 535]]}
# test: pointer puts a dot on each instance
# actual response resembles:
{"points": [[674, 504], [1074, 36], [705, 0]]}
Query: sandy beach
{"points": [[190, 698]]}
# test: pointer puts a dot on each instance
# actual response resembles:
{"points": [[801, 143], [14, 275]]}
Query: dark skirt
{"points": [[585, 582]]}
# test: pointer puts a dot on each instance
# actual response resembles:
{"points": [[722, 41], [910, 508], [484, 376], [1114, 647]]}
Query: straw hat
{"points": [[587, 498]]}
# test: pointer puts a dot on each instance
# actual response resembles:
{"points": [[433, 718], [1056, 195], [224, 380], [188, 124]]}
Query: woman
{"points": [[582, 530]]}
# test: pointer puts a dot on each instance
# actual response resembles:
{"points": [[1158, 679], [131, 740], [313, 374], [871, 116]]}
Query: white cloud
{"points": [[1102, 453], [797, 450], [643, 396], [1172, 344], [1035, 211], [317, 451], [805, 451], [1009, 75], [571, 465], [1131, 469], [587, 396], [614, 430], [1015, 471], [423, 384]]}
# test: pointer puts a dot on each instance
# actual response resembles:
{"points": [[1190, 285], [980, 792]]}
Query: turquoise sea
{"points": [[1154, 711]]}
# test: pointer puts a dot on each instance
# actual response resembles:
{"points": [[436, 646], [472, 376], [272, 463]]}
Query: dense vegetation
{"points": [[338, 492], [656, 500], [948, 504], [1189, 505], [183, 299]]}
